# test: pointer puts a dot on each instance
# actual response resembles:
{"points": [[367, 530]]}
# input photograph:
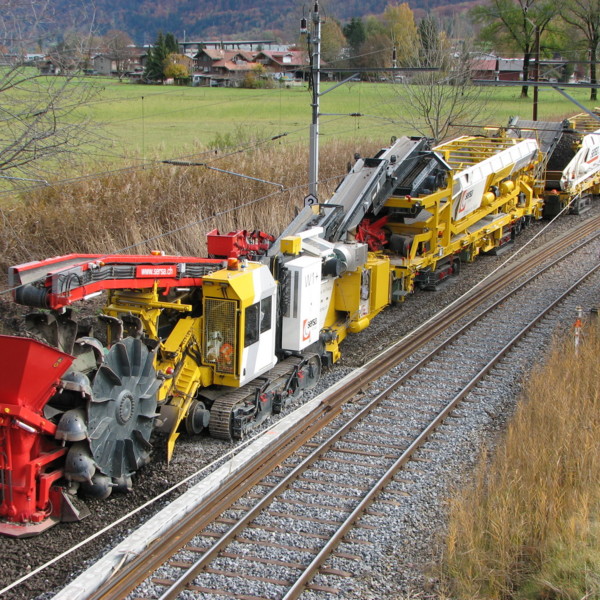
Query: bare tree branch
{"points": [[584, 15], [42, 119], [436, 103]]}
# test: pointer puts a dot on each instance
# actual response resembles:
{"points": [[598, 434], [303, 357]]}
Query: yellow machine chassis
{"points": [[438, 237]]}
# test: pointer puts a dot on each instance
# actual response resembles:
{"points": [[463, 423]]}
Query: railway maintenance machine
{"points": [[216, 345]]}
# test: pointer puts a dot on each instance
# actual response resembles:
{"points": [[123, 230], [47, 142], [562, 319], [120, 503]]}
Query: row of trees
{"points": [[164, 61], [570, 28]]}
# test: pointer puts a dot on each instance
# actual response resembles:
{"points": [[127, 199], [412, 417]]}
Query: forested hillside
{"points": [[142, 19]]}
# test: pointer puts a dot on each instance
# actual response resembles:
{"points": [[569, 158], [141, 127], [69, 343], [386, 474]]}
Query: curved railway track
{"points": [[273, 530]]}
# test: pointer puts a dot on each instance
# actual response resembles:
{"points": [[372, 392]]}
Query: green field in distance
{"points": [[155, 121]]}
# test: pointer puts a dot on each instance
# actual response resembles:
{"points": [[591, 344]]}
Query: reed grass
{"points": [[528, 527], [166, 207]]}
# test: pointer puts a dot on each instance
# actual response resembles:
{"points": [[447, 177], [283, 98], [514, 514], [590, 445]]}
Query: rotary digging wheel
{"points": [[122, 410]]}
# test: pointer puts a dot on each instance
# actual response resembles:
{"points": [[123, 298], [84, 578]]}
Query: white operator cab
{"points": [[240, 307]]}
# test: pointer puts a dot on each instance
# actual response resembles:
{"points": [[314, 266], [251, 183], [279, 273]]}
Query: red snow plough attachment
{"points": [[30, 458]]}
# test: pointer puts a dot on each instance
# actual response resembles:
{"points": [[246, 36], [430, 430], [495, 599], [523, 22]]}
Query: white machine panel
{"points": [[470, 184], [584, 164], [259, 351], [300, 324]]}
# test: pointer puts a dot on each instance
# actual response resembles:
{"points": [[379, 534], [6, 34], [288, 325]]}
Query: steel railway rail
{"points": [[208, 523]]}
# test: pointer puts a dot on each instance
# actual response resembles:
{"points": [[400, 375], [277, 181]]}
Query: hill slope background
{"points": [[213, 19]]}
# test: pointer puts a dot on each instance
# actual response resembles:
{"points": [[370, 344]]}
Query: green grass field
{"points": [[138, 124], [140, 121], [143, 121]]}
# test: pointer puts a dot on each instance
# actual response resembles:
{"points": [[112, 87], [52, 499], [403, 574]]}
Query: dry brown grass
{"points": [[169, 208], [528, 526]]}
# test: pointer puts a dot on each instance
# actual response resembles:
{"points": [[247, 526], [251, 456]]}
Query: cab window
{"points": [[265, 314], [252, 330]]}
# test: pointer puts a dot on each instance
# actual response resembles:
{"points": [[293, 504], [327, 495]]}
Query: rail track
{"points": [[274, 530]]}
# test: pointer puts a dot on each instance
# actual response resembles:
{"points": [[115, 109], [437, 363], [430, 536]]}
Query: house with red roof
{"points": [[217, 66], [292, 63], [495, 68]]}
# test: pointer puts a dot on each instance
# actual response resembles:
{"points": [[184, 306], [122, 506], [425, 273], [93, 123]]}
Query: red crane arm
{"points": [[60, 281]]}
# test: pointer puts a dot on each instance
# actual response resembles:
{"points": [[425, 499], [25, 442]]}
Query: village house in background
{"points": [[229, 63], [215, 63], [129, 64], [217, 66], [489, 67]]}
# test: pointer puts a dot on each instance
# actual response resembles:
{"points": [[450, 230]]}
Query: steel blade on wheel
{"points": [[121, 413]]}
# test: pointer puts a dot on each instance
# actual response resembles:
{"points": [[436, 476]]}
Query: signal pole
{"points": [[537, 72], [314, 49]]}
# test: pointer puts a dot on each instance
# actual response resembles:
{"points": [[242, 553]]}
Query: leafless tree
{"points": [[440, 100], [584, 15], [42, 123], [119, 48]]}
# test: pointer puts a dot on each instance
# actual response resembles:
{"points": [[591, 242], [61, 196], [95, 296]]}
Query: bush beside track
{"points": [[528, 525]]}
